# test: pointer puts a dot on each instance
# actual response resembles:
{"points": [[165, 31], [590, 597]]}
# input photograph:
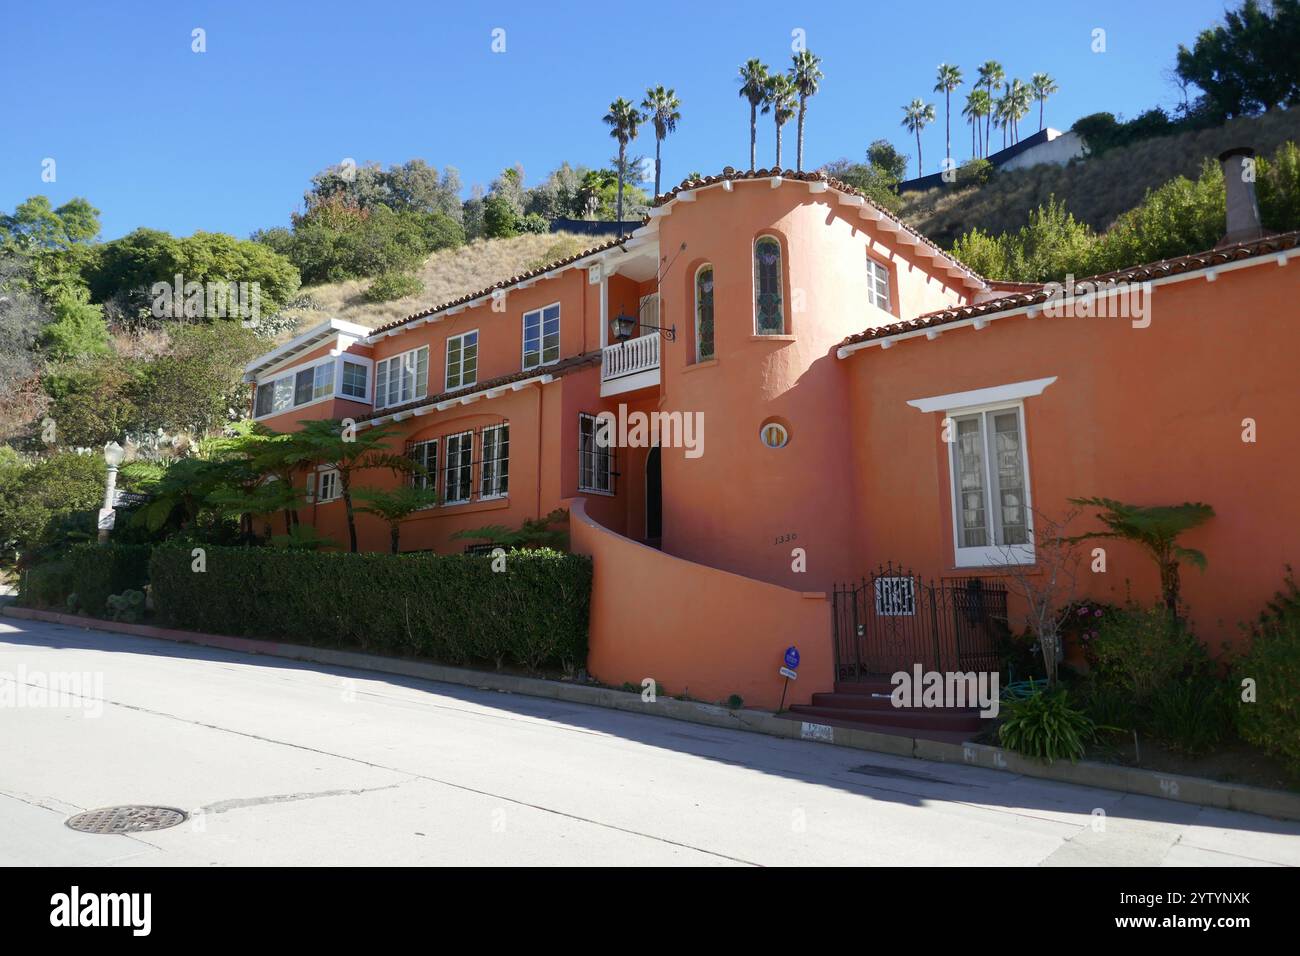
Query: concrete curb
{"points": [[1195, 790]]}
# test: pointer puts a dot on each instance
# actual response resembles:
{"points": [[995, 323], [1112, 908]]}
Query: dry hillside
{"points": [[1095, 190], [447, 275]]}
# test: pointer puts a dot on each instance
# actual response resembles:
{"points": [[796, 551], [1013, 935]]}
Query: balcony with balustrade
{"points": [[629, 365]]}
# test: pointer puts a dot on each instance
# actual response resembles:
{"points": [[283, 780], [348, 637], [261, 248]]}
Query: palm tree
{"points": [[1022, 100], [660, 106], [977, 106], [753, 87], [347, 451], [395, 505], [991, 74], [623, 120], [917, 116], [805, 75], [1002, 114], [780, 101], [1043, 87], [949, 78]]}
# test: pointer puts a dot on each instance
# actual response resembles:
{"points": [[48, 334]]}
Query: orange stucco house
{"points": [[834, 392]]}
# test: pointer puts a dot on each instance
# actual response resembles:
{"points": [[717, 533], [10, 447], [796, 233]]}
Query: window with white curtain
{"points": [[990, 486]]}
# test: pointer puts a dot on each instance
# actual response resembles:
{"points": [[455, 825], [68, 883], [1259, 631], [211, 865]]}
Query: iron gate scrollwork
{"points": [[893, 620]]}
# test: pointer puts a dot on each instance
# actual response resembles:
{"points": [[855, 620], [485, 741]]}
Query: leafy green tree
{"points": [[917, 115], [350, 451], [91, 400], [806, 74], [987, 254], [624, 121], [78, 330], [178, 490], [395, 505], [1278, 188], [499, 219], [947, 80], [780, 102], [23, 319], [1156, 529], [37, 494], [661, 107], [197, 385], [1249, 62], [36, 224], [753, 87], [1180, 217], [1052, 245]]}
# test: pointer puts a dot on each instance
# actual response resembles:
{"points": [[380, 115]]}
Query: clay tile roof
{"points": [[733, 175], [558, 370], [1036, 294]]}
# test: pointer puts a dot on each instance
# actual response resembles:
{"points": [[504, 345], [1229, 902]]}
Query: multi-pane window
{"points": [[402, 378], [541, 336], [769, 312], [494, 470], [990, 487], [877, 284], [457, 481], [704, 314], [425, 456], [595, 454], [330, 487], [462, 360], [292, 389], [354, 380]]}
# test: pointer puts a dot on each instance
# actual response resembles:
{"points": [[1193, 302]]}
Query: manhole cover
{"points": [[126, 819]]}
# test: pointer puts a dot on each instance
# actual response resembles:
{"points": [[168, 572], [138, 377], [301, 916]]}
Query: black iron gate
{"points": [[893, 620]]}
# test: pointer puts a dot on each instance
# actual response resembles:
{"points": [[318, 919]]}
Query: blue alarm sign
{"points": [[792, 657]]}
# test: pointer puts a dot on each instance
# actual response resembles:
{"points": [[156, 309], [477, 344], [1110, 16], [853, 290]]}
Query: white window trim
{"points": [[888, 307], [445, 466], [753, 281], [320, 486], [991, 555], [369, 366], [334, 393], [446, 377], [541, 336], [415, 387], [695, 294], [609, 473], [482, 496], [958, 401]]}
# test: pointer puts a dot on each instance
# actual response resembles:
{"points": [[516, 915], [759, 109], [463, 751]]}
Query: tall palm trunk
{"points": [[352, 515], [622, 163], [778, 146], [988, 120], [919, 165], [753, 136], [798, 160], [658, 142], [947, 122], [1041, 104]]}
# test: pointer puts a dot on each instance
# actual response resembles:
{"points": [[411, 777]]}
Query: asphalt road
{"points": [[282, 763]]}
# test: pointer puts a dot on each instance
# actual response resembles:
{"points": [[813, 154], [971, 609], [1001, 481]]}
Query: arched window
{"points": [[769, 313], [704, 314]]}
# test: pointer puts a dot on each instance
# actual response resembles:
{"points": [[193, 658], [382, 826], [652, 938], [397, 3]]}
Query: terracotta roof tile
{"points": [[1140, 273]]}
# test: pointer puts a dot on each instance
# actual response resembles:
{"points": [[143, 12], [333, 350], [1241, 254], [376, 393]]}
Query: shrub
{"points": [[127, 606], [1191, 715], [94, 572], [975, 172], [1143, 651], [452, 608], [1046, 726], [393, 285], [1272, 720]]}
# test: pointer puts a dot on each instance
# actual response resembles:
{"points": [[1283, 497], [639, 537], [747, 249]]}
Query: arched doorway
{"points": [[654, 500]]}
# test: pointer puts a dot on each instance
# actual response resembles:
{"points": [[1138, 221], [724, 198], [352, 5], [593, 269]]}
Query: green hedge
{"points": [[1272, 720], [90, 571], [452, 608]]}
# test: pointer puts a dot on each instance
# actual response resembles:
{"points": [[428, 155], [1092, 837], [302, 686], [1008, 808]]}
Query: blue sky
{"points": [[157, 135]]}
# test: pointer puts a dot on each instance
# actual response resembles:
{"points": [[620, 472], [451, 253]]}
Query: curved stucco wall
{"points": [[697, 630]]}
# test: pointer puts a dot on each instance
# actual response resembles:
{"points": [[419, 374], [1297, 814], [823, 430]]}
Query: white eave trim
{"points": [[982, 396], [494, 391], [1033, 311], [312, 338]]}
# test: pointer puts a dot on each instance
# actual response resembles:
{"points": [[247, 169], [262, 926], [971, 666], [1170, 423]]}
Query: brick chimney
{"points": [[1243, 209]]}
